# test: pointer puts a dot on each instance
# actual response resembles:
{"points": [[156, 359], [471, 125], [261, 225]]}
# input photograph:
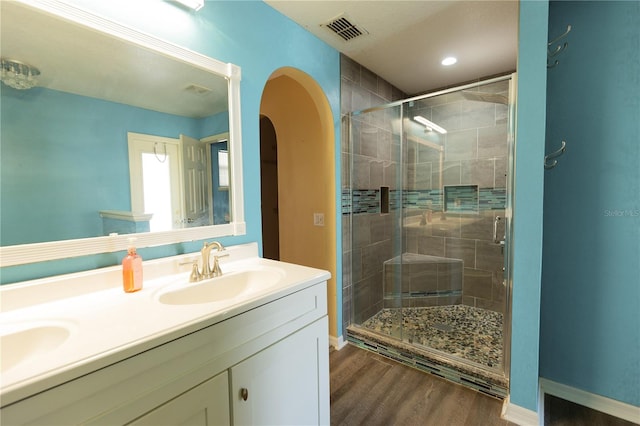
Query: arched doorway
{"points": [[301, 117], [269, 189]]}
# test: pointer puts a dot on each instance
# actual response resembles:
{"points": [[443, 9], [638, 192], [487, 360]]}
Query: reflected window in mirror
{"points": [[223, 169], [154, 169], [219, 150], [156, 178]]}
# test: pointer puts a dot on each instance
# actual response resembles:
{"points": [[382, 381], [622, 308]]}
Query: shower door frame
{"points": [[509, 202], [509, 209]]}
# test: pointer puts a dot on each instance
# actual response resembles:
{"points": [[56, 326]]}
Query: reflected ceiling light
{"points": [[18, 75], [449, 60], [193, 4], [429, 125]]}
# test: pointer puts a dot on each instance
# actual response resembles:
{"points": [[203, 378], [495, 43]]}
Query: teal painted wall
{"points": [[527, 221], [253, 36], [590, 326]]}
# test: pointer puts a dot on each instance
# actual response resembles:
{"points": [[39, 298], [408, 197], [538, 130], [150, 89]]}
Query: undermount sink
{"points": [[29, 342], [226, 287]]}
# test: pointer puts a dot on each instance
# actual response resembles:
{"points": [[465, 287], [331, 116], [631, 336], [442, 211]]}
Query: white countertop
{"points": [[107, 325]]}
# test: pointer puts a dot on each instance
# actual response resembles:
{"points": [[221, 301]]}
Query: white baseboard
{"points": [[337, 342], [519, 415], [601, 403]]}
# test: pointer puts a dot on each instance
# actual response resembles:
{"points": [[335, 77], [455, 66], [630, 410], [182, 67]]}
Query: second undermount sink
{"points": [[226, 287], [29, 342]]}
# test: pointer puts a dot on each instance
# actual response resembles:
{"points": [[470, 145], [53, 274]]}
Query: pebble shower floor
{"points": [[471, 333]]}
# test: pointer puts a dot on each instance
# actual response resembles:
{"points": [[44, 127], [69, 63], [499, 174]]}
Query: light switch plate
{"points": [[318, 219]]}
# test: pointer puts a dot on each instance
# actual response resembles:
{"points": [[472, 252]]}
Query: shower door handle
{"points": [[495, 231]]}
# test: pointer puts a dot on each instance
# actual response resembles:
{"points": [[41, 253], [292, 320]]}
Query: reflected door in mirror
{"points": [[154, 166], [197, 204]]}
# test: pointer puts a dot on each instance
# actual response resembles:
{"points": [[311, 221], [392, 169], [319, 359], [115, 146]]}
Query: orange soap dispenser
{"points": [[132, 269]]}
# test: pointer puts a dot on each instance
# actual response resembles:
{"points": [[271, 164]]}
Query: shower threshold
{"points": [[439, 341]]}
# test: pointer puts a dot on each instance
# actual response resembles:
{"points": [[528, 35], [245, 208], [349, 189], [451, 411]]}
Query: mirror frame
{"points": [[54, 250]]}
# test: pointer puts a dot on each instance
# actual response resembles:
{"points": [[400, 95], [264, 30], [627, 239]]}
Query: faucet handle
{"points": [[216, 272], [195, 272]]}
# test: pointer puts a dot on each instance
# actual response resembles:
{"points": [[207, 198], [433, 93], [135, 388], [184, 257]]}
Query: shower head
{"points": [[493, 98]]}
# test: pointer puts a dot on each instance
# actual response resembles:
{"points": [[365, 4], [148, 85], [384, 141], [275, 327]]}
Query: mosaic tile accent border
{"points": [[366, 201], [461, 199], [424, 199], [360, 201], [346, 200], [408, 295], [492, 198], [412, 359]]}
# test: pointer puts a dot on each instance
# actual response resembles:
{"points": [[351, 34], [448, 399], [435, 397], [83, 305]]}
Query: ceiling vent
{"points": [[343, 27]]}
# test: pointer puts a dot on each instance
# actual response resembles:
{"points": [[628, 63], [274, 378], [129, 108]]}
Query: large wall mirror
{"points": [[121, 133]]}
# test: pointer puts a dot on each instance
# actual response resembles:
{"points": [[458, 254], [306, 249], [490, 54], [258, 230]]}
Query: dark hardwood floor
{"points": [[368, 389], [558, 412]]}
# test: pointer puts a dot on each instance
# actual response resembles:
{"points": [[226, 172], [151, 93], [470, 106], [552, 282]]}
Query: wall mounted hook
{"points": [[548, 164], [552, 52], [560, 37]]}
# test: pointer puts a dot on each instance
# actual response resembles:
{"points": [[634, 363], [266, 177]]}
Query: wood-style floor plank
{"points": [[364, 381], [559, 412], [368, 389]]}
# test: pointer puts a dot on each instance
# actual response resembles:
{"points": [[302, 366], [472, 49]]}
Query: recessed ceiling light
{"points": [[449, 60]]}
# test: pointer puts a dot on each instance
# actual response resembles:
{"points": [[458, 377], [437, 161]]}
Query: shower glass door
{"points": [[455, 186], [429, 199], [376, 212]]}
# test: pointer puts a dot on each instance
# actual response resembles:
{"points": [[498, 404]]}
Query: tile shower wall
{"points": [[360, 89], [459, 223], [474, 156]]}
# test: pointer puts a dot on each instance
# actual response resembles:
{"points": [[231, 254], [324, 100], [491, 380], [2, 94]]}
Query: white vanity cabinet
{"points": [[275, 355], [281, 385]]}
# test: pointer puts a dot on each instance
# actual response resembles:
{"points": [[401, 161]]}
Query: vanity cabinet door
{"points": [[286, 383], [207, 404]]}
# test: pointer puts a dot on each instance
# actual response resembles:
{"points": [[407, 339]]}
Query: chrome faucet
{"points": [[207, 272]]}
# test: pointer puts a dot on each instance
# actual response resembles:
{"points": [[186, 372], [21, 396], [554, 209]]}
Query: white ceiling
{"points": [[74, 59], [407, 40], [404, 44]]}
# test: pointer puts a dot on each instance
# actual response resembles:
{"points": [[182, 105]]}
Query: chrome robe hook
{"points": [[548, 164]]}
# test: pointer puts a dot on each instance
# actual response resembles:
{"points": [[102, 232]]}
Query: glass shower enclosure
{"points": [[430, 222]]}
